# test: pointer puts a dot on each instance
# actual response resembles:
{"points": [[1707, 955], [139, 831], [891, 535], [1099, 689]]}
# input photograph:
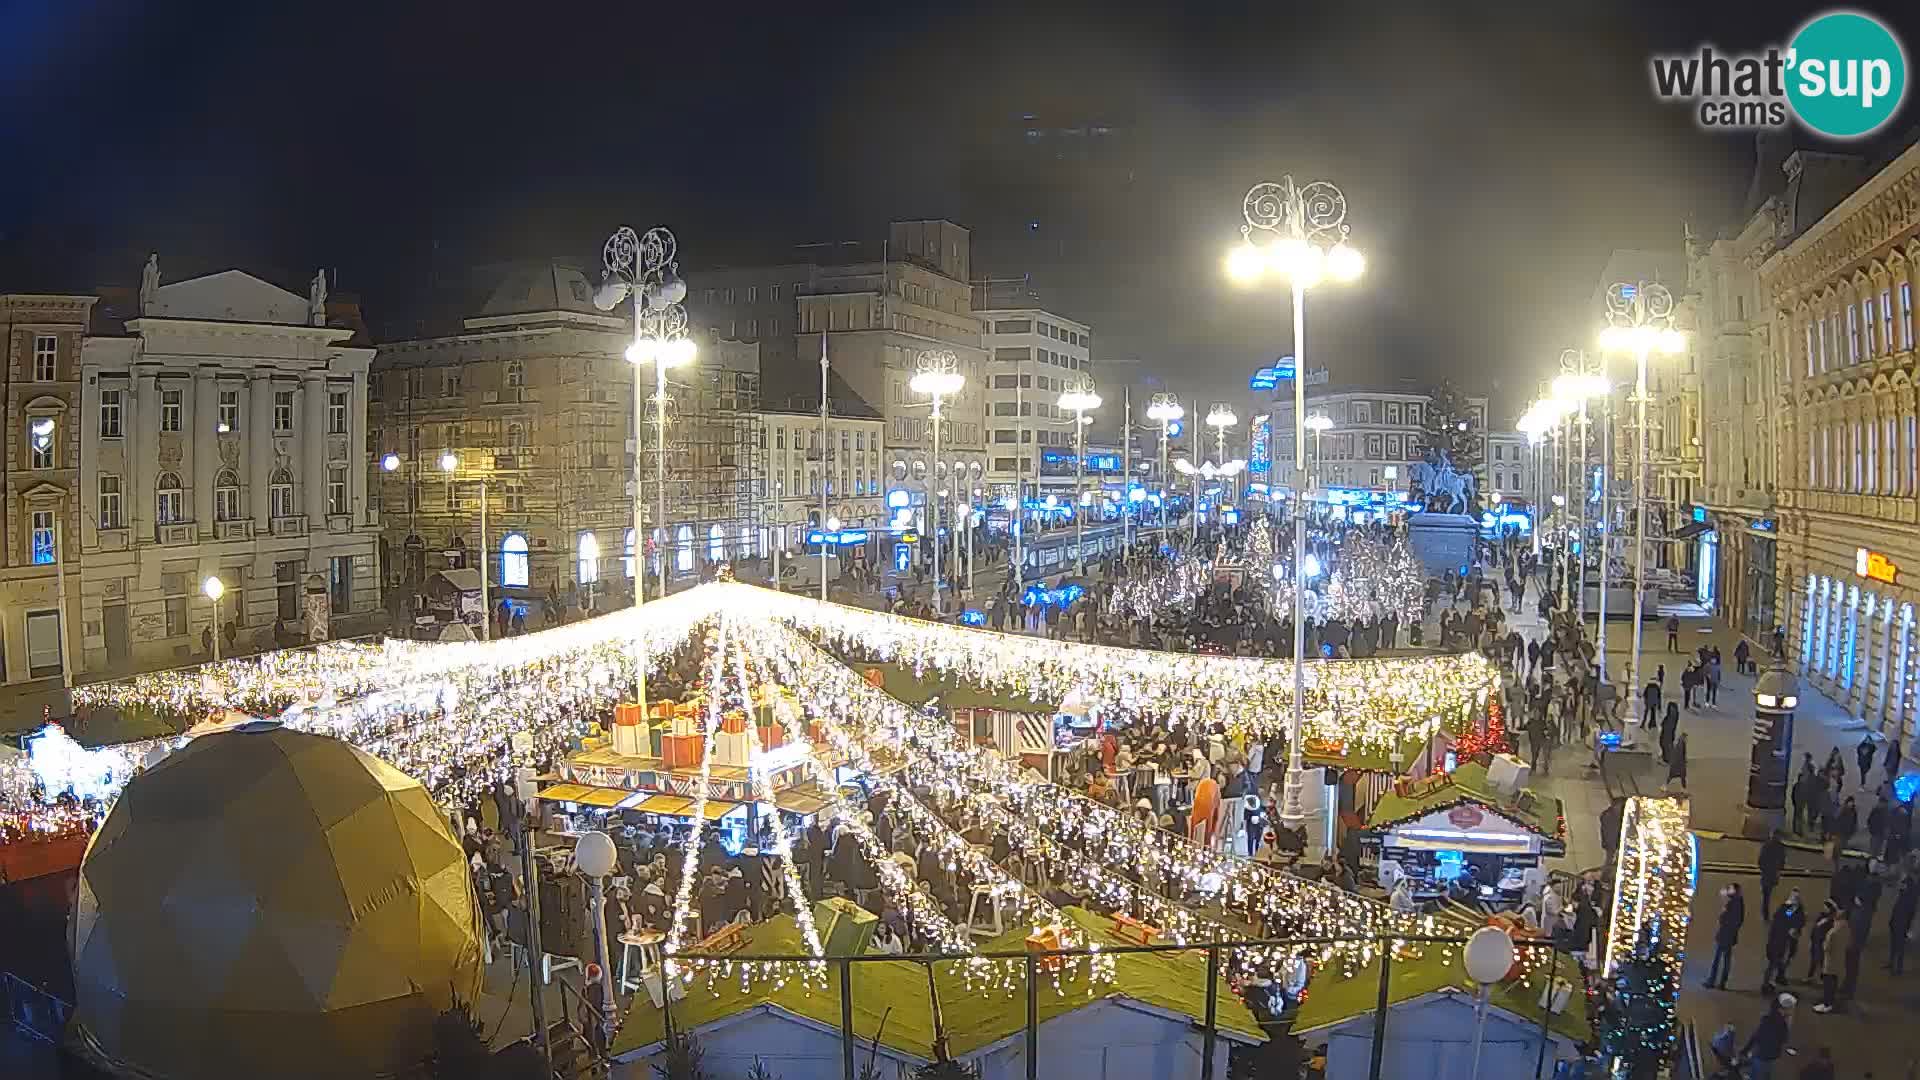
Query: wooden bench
{"points": [[1134, 930], [728, 939]]}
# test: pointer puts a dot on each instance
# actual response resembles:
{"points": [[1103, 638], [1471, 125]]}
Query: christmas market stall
{"points": [[1475, 835]]}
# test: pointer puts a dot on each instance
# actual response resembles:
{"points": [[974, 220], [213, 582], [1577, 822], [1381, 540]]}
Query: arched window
{"points": [[629, 558], [589, 561], [226, 496], [280, 492], [516, 437], [716, 545], [683, 550], [168, 500], [513, 561]]}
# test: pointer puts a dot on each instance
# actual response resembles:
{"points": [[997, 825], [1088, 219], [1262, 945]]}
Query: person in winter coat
{"points": [[1863, 755], [1783, 940], [1677, 763], [1726, 934], [1669, 729], [1773, 859], [1768, 1043], [1650, 698], [1817, 939], [1846, 821], [1833, 962], [1892, 763], [1801, 795], [1900, 924]]}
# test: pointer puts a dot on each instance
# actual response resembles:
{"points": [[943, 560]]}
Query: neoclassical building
{"points": [[1841, 296]]}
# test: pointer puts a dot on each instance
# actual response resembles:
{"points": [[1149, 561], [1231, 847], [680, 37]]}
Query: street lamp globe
{"points": [[1080, 399], [1319, 422], [1245, 263], [1345, 263], [1165, 408], [833, 524], [594, 855], [449, 461], [214, 588], [1221, 416], [390, 462]]}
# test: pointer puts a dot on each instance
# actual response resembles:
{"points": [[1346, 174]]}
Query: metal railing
{"points": [[32, 1011], [1036, 962]]}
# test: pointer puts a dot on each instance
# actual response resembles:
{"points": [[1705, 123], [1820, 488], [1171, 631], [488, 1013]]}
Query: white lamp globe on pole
{"points": [[1488, 957], [390, 462], [1080, 400], [937, 375], [214, 589]]}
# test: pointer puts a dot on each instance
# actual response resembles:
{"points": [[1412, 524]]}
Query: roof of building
{"points": [[1468, 783], [792, 389], [896, 993], [549, 285], [1333, 998]]}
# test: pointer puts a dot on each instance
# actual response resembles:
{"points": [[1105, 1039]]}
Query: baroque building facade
{"points": [[1842, 344]]}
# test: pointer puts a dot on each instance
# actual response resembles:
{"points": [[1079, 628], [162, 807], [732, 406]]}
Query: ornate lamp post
{"points": [[1319, 424], [1165, 409], [1080, 400], [450, 464], [936, 374], [1640, 321], [1572, 390], [1220, 417], [1303, 234]]}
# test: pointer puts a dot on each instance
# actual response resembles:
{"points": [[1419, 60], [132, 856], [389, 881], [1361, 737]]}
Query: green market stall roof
{"points": [[1468, 785], [1367, 759], [1332, 999], [897, 991]]}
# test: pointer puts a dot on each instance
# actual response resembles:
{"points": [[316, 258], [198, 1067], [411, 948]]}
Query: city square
{"points": [[1114, 576]]}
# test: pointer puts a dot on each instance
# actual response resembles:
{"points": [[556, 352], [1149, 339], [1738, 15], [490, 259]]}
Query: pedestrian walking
{"points": [[1650, 700], [1669, 730], [1864, 755], [1773, 859], [1801, 796], [1878, 819], [1726, 934], [1763, 1048], [1673, 633], [1817, 940], [1742, 654], [1713, 677], [1846, 821], [1677, 764], [1900, 924], [1892, 763]]}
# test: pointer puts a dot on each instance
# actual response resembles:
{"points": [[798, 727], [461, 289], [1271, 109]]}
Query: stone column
{"points": [[259, 435], [202, 414], [312, 440], [143, 464]]}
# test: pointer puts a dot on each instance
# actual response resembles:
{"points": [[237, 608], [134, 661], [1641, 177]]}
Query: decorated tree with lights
{"points": [[1402, 582], [1637, 1020], [1259, 549], [1450, 426]]}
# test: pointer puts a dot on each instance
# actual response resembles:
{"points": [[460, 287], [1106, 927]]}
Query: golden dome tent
{"points": [[265, 902]]}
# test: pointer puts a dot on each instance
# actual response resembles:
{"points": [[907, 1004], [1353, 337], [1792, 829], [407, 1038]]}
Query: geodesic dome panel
{"points": [[266, 902]]}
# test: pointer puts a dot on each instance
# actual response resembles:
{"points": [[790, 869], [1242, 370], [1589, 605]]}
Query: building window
{"points": [[168, 500], [627, 560], [336, 490], [176, 607], [46, 351], [42, 443], [1888, 342], [1853, 334], [337, 412], [516, 378], [450, 383], [514, 498], [280, 494], [1867, 324], [170, 410], [1906, 313], [109, 414], [513, 561], [683, 549], [226, 496], [229, 411], [283, 411], [589, 559], [41, 524], [110, 502], [716, 545]]}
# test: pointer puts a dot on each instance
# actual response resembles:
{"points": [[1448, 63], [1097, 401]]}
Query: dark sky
{"points": [[1492, 154]]}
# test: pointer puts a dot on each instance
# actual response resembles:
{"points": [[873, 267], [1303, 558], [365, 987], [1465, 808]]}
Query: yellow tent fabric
{"points": [[265, 902]]}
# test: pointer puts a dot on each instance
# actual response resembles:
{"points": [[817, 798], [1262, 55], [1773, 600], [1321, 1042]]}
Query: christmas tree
{"points": [[1636, 1019], [1259, 550], [1403, 585]]}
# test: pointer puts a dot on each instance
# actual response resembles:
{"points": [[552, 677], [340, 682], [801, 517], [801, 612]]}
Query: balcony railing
{"points": [[175, 533], [236, 529], [295, 525]]}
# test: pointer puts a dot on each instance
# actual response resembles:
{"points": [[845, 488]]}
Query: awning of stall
{"points": [[1467, 787], [801, 800], [572, 793], [604, 798]]}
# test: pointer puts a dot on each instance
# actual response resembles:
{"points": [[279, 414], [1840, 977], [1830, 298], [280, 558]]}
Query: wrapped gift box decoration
{"points": [[1043, 940], [661, 710], [734, 722], [629, 730], [876, 678], [682, 751], [845, 927], [731, 748], [687, 723], [772, 737]]}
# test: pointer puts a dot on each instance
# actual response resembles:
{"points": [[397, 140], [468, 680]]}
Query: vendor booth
{"points": [[1476, 835]]}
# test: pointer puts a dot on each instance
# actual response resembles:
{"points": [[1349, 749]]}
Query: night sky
{"points": [[1492, 155]]}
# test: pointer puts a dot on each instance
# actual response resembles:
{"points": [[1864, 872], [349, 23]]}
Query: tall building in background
{"points": [[1375, 439], [1840, 298], [225, 435], [534, 397], [41, 508], [1033, 354]]}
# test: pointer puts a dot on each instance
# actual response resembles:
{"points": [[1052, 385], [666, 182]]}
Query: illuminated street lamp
{"points": [[215, 589], [1303, 234], [450, 464], [1319, 424], [1080, 400], [1572, 389], [646, 270], [1165, 408], [937, 375], [1221, 417], [1640, 321]]}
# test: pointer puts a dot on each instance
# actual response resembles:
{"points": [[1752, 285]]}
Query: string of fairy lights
{"points": [[1374, 704], [1172, 586]]}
